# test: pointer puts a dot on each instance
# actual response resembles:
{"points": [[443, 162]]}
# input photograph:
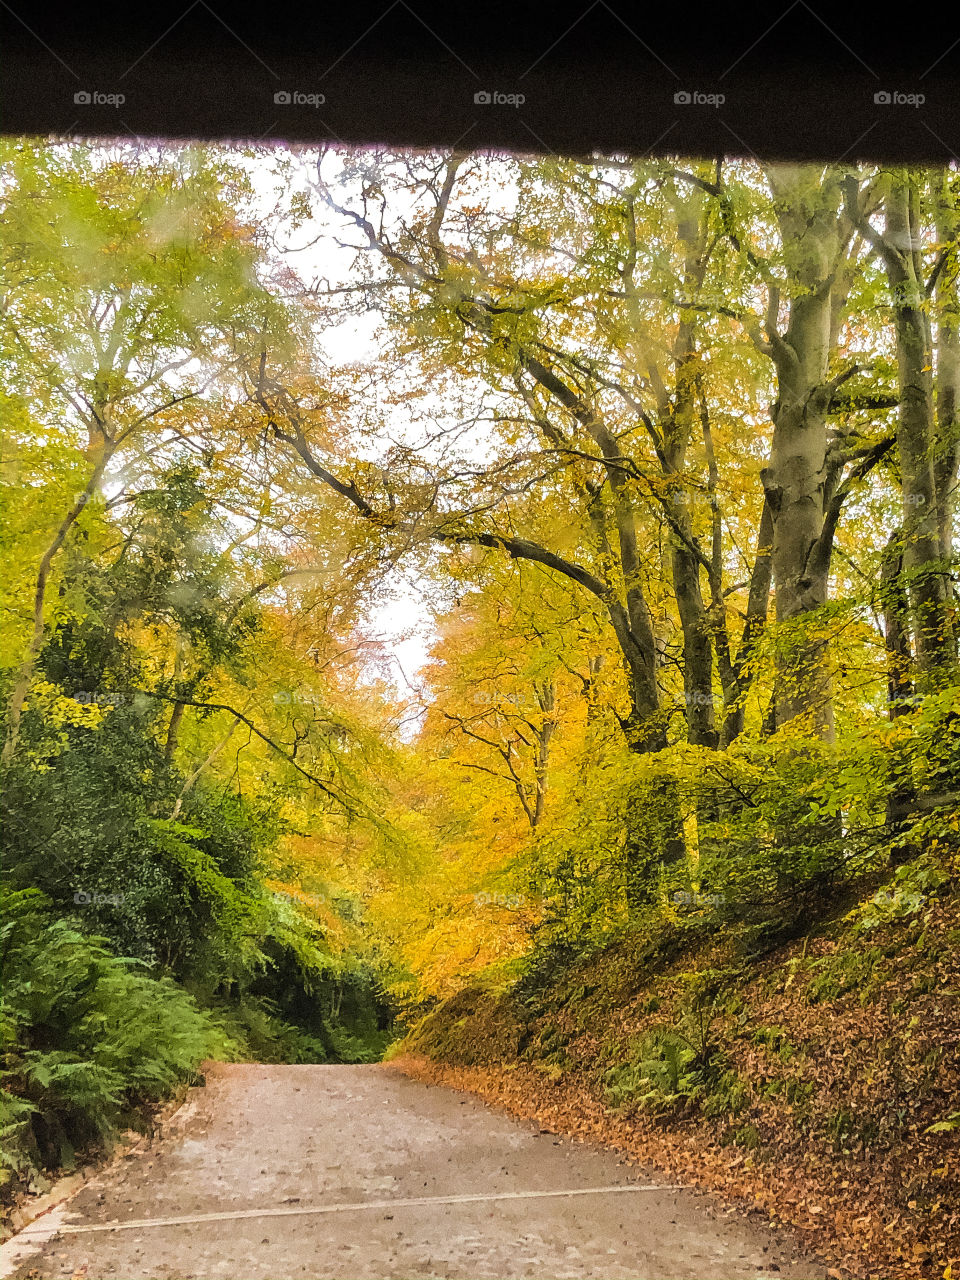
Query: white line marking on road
{"points": [[234, 1215]]}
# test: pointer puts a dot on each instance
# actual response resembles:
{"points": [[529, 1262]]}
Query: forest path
{"points": [[358, 1173]]}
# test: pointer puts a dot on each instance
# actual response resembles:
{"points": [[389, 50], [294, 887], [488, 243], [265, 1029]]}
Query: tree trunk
{"points": [[921, 509], [896, 635], [946, 462], [24, 676], [173, 732], [546, 700], [697, 649], [902, 794], [677, 432], [758, 601], [794, 477]]}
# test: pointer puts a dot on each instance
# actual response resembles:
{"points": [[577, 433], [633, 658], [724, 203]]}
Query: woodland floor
{"points": [[362, 1172], [833, 1110]]}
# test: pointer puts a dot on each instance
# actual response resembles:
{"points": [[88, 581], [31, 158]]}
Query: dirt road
{"points": [[357, 1173]]}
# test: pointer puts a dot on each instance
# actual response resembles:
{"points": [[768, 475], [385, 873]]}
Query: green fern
{"points": [[86, 1037]]}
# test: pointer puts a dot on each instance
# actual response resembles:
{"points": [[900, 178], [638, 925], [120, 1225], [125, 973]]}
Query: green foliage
{"points": [[87, 1038], [681, 1064], [478, 1026], [949, 1125], [268, 1037], [727, 1095], [911, 887], [81, 829], [85, 807], [663, 1074], [844, 971], [746, 1136]]}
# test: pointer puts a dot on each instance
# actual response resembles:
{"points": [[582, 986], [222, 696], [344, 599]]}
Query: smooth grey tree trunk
{"points": [[794, 478]]}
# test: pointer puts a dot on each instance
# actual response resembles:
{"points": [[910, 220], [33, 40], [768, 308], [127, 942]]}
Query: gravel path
{"points": [[358, 1173]]}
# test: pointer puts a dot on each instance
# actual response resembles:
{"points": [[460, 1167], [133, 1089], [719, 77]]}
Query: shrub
{"points": [[664, 1075], [88, 1039]]}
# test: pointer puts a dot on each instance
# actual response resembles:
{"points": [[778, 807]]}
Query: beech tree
{"points": [[926, 429]]}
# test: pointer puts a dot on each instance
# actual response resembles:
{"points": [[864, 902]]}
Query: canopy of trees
{"points": [[667, 449]]}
